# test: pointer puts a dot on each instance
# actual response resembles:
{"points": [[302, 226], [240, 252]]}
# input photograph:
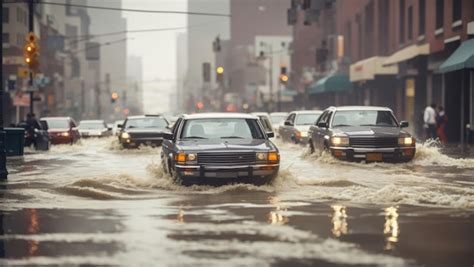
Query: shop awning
{"points": [[331, 83], [462, 58], [407, 53], [367, 69]]}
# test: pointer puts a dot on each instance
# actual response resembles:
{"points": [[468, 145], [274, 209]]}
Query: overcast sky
{"points": [[157, 49]]}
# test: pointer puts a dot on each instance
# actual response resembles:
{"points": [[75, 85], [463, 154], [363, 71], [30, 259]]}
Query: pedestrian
{"points": [[429, 119], [441, 122]]}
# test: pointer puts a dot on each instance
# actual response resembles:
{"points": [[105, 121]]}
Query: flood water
{"points": [[94, 203]]}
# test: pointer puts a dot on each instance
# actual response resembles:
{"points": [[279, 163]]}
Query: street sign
{"points": [[21, 99], [12, 60], [23, 72]]}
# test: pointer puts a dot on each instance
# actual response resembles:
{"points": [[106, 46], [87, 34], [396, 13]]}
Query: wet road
{"points": [[94, 203]]}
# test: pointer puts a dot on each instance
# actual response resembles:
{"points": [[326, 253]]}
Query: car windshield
{"points": [[224, 128], [58, 124], [307, 119], [276, 119], [146, 123], [91, 125], [364, 118]]}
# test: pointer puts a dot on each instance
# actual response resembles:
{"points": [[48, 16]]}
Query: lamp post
{"points": [[270, 71], [3, 153]]}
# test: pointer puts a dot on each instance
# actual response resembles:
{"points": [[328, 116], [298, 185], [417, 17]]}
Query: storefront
{"points": [[332, 90]]}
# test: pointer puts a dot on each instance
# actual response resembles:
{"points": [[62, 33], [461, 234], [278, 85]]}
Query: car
{"points": [[220, 148], [359, 133], [62, 130], [296, 125], [38, 137], [265, 120], [143, 130], [277, 118], [94, 128], [115, 128]]}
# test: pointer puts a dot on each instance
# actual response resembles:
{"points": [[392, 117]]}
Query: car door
{"points": [[319, 132], [287, 128], [74, 131], [168, 145]]}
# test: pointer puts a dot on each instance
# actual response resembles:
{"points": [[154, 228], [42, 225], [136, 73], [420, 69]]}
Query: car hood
{"points": [[355, 131], [302, 128], [225, 145], [145, 130], [58, 130]]}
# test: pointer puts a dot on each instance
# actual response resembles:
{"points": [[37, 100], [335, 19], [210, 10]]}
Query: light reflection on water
{"points": [[391, 228], [33, 228], [339, 220], [277, 216]]}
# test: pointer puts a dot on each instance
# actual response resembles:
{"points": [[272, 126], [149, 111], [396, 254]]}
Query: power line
{"points": [[128, 9]]}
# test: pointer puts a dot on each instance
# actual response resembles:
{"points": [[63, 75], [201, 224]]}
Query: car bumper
{"points": [[260, 171], [60, 140], [136, 142], [394, 154]]}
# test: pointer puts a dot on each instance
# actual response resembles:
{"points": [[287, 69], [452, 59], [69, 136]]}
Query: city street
{"points": [[95, 203]]}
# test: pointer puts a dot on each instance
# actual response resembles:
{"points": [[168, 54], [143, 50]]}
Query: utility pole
{"points": [[3, 152], [31, 28]]}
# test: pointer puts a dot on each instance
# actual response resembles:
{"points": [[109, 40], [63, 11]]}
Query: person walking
{"points": [[429, 119], [441, 122]]}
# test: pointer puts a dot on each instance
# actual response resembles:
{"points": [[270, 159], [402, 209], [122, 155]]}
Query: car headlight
{"points": [[261, 156], [340, 141], [66, 134], [125, 135], [192, 157], [270, 156], [183, 158], [304, 134], [406, 141]]}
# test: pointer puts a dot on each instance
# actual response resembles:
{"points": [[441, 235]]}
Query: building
{"points": [[202, 31], [181, 72], [132, 95]]}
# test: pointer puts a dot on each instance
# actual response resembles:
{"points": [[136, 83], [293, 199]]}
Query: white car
{"points": [[296, 126], [277, 118], [94, 128]]}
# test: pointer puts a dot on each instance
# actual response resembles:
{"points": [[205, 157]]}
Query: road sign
{"points": [[23, 72], [21, 99]]}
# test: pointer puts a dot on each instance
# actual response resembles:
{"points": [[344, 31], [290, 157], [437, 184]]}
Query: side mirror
{"points": [[288, 123], [109, 129], [404, 124], [322, 124], [168, 136], [270, 134], [120, 126]]}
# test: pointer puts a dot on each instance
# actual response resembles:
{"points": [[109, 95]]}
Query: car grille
{"points": [[229, 158], [145, 135], [377, 142]]}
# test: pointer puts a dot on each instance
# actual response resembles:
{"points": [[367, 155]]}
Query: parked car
{"points": [[94, 128], [143, 130], [62, 130], [220, 148], [277, 118], [362, 133], [296, 126], [265, 120]]}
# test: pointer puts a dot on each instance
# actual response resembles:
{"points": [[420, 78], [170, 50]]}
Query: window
{"points": [[5, 38], [421, 17], [439, 14], [383, 19], [222, 128], [348, 40], [401, 33], [410, 22], [457, 7], [5, 15]]}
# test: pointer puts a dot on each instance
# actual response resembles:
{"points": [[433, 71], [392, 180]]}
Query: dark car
{"points": [[296, 126], [362, 133], [36, 135], [143, 130], [219, 149], [62, 130]]}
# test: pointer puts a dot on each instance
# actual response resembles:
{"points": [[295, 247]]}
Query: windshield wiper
{"points": [[232, 137], [195, 137]]}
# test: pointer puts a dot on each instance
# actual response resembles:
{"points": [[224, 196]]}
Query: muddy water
{"points": [[94, 203]]}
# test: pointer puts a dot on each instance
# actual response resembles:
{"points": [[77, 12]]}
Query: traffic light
{"points": [[113, 97], [31, 51], [283, 75], [220, 74]]}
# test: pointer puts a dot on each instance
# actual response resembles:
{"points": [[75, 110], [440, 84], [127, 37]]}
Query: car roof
{"points": [[94, 121], [360, 108], [306, 111], [145, 116], [260, 113], [55, 118], [278, 113], [217, 115]]}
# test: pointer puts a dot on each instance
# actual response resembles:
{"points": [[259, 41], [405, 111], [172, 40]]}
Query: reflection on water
{"points": [[339, 220], [33, 228], [277, 216], [391, 229], [180, 216]]}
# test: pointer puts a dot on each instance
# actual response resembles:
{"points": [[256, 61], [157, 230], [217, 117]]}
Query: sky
{"points": [[157, 49]]}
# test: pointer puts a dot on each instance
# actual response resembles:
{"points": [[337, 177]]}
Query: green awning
{"points": [[462, 58], [332, 83]]}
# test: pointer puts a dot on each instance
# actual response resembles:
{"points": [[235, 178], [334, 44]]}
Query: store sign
{"points": [[21, 99], [12, 60]]}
